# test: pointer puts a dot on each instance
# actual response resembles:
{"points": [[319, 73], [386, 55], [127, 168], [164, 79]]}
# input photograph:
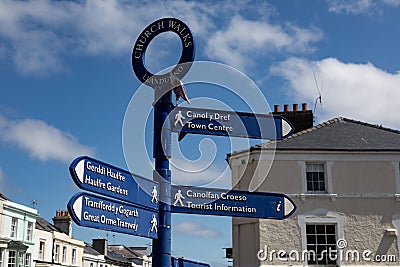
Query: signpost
{"points": [[212, 201], [144, 207], [104, 179], [228, 123], [110, 215], [162, 85]]}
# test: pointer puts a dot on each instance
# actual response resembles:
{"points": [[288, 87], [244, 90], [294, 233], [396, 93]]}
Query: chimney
{"points": [[100, 245], [300, 119], [63, 222], [285, 108]]}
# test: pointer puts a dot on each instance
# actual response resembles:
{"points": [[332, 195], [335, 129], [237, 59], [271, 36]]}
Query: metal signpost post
{"points": [[162, 86], [143, 207]]}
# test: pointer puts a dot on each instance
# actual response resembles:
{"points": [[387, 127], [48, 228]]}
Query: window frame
{"points": [[64, 254], [29, 231], [313, 190], [1, 257], [41, 251], [28, 257], [21, 259], [12, 264], [14, 227], [321, 216], [73, 256], [320, 241], [57, 253]]}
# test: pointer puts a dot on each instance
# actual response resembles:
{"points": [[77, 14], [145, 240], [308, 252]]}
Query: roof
{"points": [[115, 257], [3, 197], [128, 252], [339, 134], [12, 244], [42, 224], [88, 249]]}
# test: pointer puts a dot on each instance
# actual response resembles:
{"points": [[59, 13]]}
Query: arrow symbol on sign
{"points": [[77, 208], [80, 169]]}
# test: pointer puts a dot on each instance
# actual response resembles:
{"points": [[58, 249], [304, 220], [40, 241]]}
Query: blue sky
{"points": [[66, 82]]}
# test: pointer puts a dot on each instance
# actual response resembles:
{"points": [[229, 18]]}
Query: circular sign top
{"points": [[143, 41]]}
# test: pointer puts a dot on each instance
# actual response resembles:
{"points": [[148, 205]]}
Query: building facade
{"points": [[344, 177], [54, 244], [17, 224]]}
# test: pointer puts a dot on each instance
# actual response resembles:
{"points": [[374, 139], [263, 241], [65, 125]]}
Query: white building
{"points": [[344, 177], [54, 244], [17, 223]]}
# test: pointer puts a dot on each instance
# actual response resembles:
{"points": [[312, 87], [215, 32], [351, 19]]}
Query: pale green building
{"points": [[17, 224]]}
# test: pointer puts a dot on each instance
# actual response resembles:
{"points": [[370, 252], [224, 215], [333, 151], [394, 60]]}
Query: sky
{"points": [[66, 83]]}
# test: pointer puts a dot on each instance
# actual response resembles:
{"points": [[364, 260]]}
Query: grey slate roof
{"points": [[3, 197], [88, 249], [42, 224], [116, 257], [128, 252], [340, 134]]}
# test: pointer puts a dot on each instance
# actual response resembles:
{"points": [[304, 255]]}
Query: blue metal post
{"points": [[162, 174]]}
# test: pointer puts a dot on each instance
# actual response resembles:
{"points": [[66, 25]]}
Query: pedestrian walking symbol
{"points": [[153, 224], [154, 195], [178, 118], [178, 198]]}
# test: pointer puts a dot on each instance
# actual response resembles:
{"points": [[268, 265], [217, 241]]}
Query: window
{"points": [[29, 231], [27, 260], [321, 244], [57, 253], [1, 257], [91, 264], [315, 175], [41, 250], [14, 226], [12, 258], [73, 256], [64, 254], [21, 258]]}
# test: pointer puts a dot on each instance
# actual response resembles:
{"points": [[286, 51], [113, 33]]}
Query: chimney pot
{"points": [[295, 107], [276, 108], [304, 106], [286, 108]]}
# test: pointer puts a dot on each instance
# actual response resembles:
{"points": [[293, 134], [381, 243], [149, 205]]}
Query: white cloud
{"points": [[196, 229], [358, 91], [351, 7], [392, 2], [368, 7], [39, 34], [41, 140], [244, 40]]}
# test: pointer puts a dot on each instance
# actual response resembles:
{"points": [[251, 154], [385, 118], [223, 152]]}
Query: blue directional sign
{"points": [[228, 123], [102, 178], [110, 215], [211, 201]]}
